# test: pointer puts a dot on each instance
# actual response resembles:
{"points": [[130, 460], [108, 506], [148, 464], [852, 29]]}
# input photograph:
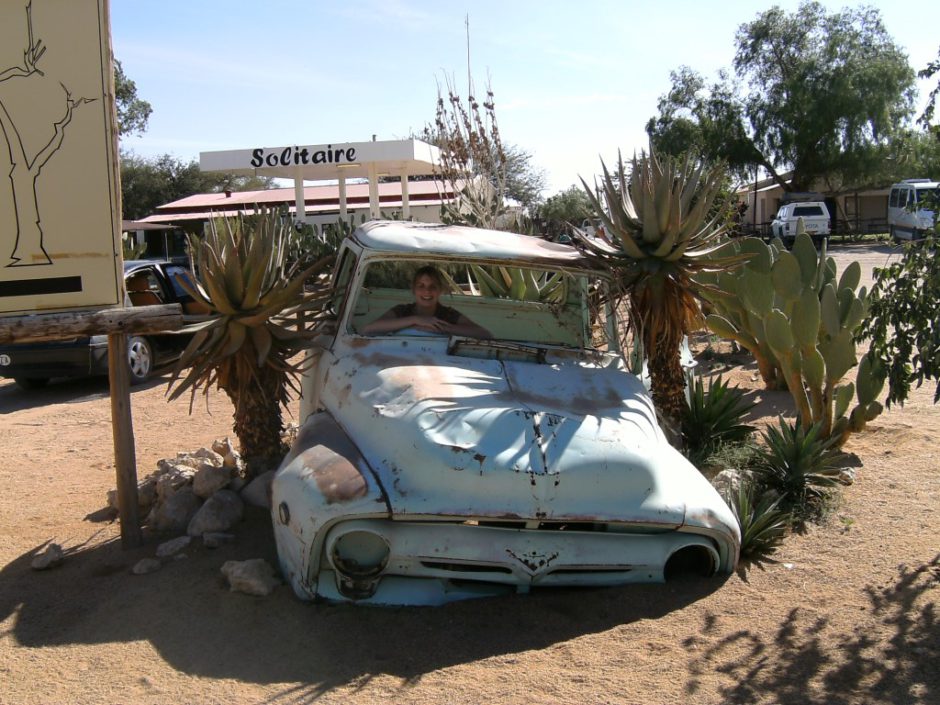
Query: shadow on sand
{"points": [[186, 611]]}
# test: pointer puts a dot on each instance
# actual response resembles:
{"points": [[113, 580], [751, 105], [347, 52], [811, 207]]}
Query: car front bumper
{"points": [[430, 563]]}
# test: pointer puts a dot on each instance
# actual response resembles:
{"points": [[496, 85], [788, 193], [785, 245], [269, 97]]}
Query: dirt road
{"points": [[846, 614]]}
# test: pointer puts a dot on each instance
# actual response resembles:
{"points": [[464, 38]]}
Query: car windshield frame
{"points": [[549, 323]]}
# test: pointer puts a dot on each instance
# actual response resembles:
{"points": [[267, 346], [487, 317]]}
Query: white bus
{"points": [[908, 213]]}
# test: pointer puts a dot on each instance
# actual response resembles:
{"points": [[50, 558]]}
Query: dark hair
{"points": [[428, 271]]}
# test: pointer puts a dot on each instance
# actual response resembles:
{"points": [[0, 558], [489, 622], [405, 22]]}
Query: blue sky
{"points": [[573, 81]]}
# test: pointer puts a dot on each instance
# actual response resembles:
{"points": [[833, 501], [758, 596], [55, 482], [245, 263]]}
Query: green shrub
{"points": [[763, 525], [800, 465], [712, 418]]}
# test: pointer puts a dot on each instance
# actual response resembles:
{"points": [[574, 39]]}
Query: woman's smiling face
{"points": [[426, 291]]}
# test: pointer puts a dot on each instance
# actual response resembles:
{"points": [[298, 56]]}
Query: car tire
{"points": [[894, 235], [30, 384], [139, 359]]}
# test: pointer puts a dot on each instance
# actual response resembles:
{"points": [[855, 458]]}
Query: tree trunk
{"points": [[258, 424], [667, 381]]}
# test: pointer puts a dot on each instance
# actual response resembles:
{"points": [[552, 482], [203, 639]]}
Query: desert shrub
{"points": [[712, 418], [800, 465], [763, 524]]}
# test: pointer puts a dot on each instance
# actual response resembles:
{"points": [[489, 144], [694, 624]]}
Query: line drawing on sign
{"points": [[28, 247]]}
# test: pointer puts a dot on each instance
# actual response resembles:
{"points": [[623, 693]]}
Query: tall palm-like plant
{"points": [[264, 310], [660, 231]]}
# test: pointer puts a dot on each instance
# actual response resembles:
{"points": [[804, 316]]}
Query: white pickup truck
{"points": [[815, 217]]}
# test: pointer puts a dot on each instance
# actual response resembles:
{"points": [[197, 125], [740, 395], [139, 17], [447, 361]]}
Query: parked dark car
{"points": [[32, 365]]}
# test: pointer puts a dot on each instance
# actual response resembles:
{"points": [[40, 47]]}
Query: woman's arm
{"points": [[388, 322]]}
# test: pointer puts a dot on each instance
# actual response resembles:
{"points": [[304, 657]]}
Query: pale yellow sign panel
{"points": [[59, 206]]}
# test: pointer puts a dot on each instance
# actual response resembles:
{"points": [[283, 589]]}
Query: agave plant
{"points": [[264, 310], [519, 284], [659, 233], [712, 417], [798, 463], [763, 525]]}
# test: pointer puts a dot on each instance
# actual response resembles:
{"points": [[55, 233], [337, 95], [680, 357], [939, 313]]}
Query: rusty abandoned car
{"points": [[431, 468]]}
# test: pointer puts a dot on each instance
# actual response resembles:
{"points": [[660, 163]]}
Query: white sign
{"points": [[59, 195]]}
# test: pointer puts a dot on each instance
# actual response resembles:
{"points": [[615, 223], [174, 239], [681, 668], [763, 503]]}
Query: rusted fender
{"points": [[322, 479]]}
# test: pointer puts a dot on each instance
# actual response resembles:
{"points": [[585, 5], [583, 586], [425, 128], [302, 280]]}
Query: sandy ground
{"points": [[847, 613]]}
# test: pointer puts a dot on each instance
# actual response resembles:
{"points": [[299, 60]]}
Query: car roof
{"points": [[401, 237]]}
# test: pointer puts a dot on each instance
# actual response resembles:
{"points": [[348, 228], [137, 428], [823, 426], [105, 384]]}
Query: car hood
{"points": [[574, 440]]}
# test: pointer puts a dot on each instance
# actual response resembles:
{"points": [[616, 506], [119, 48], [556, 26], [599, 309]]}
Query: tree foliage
{"points": [[569, 206], [148, 183], [821, 94], [132, 111], [902, 322], [931, 70]]}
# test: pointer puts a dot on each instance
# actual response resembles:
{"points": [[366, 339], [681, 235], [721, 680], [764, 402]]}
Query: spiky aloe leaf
{"points": [[265, 310], [713, 416], [799, 463], [763, 525]]}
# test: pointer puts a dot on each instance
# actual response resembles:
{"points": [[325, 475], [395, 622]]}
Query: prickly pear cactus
{"points": [[789, 309]]}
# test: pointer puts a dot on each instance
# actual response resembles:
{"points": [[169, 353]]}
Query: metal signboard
{"points": [[59, 194]]}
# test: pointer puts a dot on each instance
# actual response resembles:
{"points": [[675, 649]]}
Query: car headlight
{"points": [[360, 554]]}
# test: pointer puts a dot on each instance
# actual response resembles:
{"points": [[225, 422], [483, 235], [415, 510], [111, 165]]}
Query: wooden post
{"points": [[125, 459], [117, 323]]}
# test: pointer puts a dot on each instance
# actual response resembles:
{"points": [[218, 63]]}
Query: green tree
{"points": [[569, 206], [132, 112], [148, 183], [825, 94], [524, 180], [931, 70], [902, 323]]}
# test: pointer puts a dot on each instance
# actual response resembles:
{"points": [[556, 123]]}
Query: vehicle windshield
{"points": [[524, 305]]}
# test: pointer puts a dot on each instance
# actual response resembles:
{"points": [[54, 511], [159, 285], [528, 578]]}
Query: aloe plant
{"points": [[712, 417], [763, 524], [519, 284], [659, 235], [264, 310], [799, 463]]}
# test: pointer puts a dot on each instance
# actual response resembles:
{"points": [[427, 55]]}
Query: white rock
{"points": [[174, 513], [253, 577], [182, 460], [257, 493], [209, 455], [173, 546], [220, 512], [50, 558], [146, 565], [728, 481], [847, 476], [171, 481], [230, 457], [209, 479]]}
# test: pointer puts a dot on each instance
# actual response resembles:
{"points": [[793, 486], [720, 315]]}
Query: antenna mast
{"points": [[469, 84]]}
